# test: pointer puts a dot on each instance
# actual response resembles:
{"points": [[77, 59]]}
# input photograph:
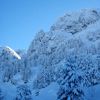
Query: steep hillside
{"points": [[66, 57], [9, 61], [73, 42], [75, 30]]}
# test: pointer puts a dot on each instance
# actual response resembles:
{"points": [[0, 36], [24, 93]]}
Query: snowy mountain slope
{"points": [[51, 47], [73, 35], [9, 60], [8, 56], [59, 63]]}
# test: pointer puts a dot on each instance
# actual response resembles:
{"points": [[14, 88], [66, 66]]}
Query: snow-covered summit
{"points": [[74, 22], [9, 51], [9, 63]]}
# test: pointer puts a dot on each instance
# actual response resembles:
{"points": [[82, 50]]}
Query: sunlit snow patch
{"points": [[13, 52]]}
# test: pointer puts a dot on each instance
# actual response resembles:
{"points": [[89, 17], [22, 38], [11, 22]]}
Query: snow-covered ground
{"points": [[93, 93], [48, 93]]}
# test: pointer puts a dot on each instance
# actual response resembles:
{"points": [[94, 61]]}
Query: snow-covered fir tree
{"points": [[23, 93], [1, 95], [81, 71]]}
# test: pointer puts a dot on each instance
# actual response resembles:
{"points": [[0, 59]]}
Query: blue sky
{"points": [[20, 20]]}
